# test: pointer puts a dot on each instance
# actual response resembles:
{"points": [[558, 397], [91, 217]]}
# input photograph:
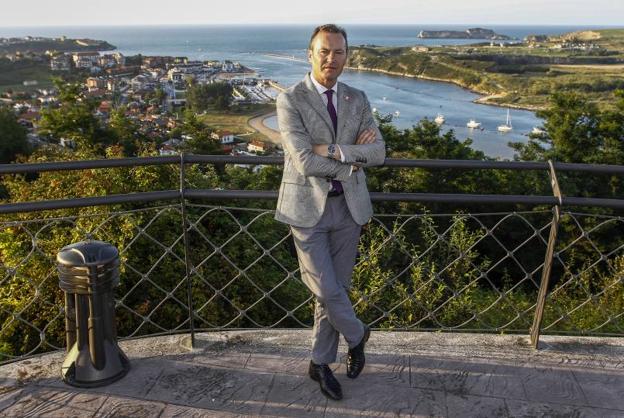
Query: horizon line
{"points": [[610, 26]]}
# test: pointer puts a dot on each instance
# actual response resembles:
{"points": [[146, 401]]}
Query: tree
{"points": [[12, 136], [579, 132], [200, 140], [200, 97], [74, 117], [125, 132]]}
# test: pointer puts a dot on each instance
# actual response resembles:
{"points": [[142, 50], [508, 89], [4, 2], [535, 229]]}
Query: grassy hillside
{"points": [[13, 74], [523, 75]]}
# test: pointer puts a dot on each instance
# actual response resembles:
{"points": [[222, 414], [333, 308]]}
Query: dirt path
{"points": [[604, 67], [257, 123]]}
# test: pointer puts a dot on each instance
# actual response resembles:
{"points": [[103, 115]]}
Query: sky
{"points": [[157, 12]]}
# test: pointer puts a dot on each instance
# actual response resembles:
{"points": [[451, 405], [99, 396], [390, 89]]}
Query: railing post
{"points": [[548, 259], [187, 256]]}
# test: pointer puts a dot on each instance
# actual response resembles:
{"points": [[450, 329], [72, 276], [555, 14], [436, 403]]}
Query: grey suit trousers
{"points": [[326, 254]]}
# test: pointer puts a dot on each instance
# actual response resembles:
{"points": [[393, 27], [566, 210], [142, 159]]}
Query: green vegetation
{"points": [[57, 44], [74, 118], [12, 137], [476, 267], [201, 97], [236, 119], [13, 74]]}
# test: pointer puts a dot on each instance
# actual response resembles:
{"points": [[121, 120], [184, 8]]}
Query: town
{"points": [[152, 90]]}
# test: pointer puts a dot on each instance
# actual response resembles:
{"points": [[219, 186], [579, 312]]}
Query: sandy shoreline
{"points": [[257, 123], [483, 99]]}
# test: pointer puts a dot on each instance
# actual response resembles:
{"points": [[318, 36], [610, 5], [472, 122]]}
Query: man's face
{"points": [[327, 56]]}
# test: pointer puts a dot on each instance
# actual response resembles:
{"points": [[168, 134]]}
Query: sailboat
{"points": [[473, 124], [507, 126]]}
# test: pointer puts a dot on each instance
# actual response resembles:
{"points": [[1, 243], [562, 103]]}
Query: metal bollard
{"points": [[88, 273]]}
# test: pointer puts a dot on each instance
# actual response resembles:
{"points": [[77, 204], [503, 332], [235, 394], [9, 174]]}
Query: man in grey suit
{"points": [[329, 135]]}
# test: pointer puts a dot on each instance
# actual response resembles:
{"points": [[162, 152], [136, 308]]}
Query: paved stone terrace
{"points": [[244, 373]]}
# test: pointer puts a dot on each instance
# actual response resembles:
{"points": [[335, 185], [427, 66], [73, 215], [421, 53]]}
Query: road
{"points": [[257, 124]]}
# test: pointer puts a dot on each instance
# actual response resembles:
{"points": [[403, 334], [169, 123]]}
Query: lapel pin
{"points": [[346, 98]]}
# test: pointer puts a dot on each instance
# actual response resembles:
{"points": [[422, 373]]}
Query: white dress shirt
{"points": [[322, 89]]}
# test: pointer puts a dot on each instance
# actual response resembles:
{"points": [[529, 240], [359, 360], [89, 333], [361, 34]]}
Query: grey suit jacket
{"points": [[304, 121]]}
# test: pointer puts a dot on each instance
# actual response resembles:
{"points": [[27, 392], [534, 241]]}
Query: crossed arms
{"points": [[368, 148]]}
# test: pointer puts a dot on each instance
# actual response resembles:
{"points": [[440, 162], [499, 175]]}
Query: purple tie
{"points": [[336, 185], [332, 110]]}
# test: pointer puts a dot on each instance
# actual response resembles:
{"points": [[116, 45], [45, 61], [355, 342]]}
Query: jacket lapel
{"points": [[316, 102], [345, 103]]}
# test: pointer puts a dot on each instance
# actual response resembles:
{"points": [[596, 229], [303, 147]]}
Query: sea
{"points": [[264, 48]]}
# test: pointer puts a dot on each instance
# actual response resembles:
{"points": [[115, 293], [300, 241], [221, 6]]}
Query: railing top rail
{"points": [[217, 195], [230, 159]]}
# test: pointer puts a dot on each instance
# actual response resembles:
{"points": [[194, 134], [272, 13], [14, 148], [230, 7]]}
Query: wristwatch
{"points": [[331, 151]]}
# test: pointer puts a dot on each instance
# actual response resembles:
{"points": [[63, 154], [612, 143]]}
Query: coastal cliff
{"points": [[62, 44]]}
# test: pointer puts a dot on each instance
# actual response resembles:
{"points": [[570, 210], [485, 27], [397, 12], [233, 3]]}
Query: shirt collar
{"points": [[321, 88]]}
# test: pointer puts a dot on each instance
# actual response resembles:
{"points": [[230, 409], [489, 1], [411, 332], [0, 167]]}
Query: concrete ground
{"points": [[242, 373]]}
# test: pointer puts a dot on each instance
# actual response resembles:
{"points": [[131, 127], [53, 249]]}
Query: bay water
{"points": [[261, 47]]}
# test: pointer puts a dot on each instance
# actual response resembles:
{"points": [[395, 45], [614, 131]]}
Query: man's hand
{"points": [[320, 149], [367, 136]]}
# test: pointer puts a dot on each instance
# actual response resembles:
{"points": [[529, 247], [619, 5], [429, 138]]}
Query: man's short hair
{"points": [[331, 28]]}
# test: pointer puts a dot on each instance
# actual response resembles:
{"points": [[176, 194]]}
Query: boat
{"points": [[507, 126], [397, 113], [439, 119], [473, 124], [537, 131]]}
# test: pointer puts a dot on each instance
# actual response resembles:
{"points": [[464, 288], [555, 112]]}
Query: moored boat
{"points": [[507, 126], [473, 124]]}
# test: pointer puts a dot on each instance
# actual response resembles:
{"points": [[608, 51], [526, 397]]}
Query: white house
{"points": [[85, 59]]}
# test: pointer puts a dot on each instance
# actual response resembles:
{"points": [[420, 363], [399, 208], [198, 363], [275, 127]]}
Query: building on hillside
{"points": [[120, 58], [60, 63], [226, 139], [129, 71], [96, 83], [170, 147], [111, 60], [257, 146], [142, 82], [156, 62], [85, 59]]}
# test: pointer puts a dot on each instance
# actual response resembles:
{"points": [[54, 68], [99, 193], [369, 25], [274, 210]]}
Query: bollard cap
{"points": [[87, 253]]}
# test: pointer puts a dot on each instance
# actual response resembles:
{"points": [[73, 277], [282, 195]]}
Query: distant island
{"points": [[472, 33], [39, 44]]}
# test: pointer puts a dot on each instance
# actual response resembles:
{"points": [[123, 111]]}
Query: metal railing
{"points": [[188, 266]]}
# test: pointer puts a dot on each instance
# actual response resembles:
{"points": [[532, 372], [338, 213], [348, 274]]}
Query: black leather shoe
{"points": [[329, 385], [355, 356]]}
